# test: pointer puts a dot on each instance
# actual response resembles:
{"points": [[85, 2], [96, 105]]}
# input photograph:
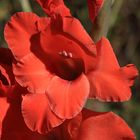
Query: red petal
{"points": [[104, 126], [67, 98], [12, 123], [94, 6], [78, 43], [65, 28], [73, 28], [37, 113], [107, 81], [130, 72], [54, 7], [43, 23], [54, 43], [22, 25], [32, 73]]}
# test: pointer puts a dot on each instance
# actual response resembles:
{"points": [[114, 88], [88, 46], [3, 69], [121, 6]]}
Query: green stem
{"points": [[102, 22], [25, 5], [115, 11]]}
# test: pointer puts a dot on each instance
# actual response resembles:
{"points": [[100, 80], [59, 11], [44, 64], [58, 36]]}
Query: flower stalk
{"points": [[25, 5], [101, 23]]}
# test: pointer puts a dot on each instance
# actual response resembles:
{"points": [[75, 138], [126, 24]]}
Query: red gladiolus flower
{"points": [[61, 66]]}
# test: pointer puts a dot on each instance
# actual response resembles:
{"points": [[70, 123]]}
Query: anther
{"points": [[65, 53], [70, 55]]}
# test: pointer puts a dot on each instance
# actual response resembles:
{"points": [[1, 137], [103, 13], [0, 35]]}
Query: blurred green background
{"points": [[123, 33]]}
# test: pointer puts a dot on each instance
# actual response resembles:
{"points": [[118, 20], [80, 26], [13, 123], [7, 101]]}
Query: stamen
{"points": [[70, 55], [66, 54]]}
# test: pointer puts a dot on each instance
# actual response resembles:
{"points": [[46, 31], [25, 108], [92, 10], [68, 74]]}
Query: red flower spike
{"points": [[94, 7], [57, 58], [108, 81], [54, 7], [37, 114]]}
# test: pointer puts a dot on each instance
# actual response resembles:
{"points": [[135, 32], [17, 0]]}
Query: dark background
{"points": [[123, 33]]}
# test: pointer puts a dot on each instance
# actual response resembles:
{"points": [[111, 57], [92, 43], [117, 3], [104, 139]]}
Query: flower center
{"points": [[61, 55], [70, 68], [65, 65]]}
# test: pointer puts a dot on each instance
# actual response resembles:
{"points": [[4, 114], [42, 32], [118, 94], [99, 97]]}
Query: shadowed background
{"points": [[122, 21]]}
